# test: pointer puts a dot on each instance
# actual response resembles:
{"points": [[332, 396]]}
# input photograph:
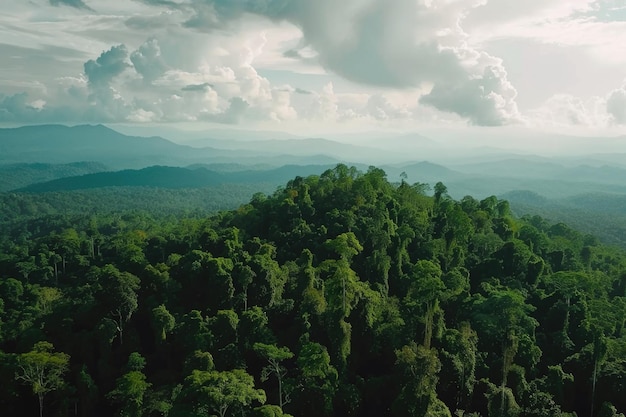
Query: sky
{"points": [[308, 66]]}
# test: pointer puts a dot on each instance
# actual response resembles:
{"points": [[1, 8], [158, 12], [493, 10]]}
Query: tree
{"points": [[602, 323], [419, 369], [275, 411], [119, 292], [459, 356], [503, 316], [43, 370], [274, 356], [130, 388], [346, 245], [566, 284], [162, 321], [217, 391], [129, 392], [87, 391], [440, 191], [427, 289], [318, 378]]}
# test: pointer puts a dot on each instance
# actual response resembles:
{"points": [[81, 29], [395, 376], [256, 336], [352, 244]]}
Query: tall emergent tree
{"points": [[218, 392], [274, 356], [43, 370]]}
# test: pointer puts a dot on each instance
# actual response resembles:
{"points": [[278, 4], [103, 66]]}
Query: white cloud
{"points": [[488, 100], [370, 62], [616, 106], [382, 108], [324, 106], [567, 111], [147, 60], [370, 42]]}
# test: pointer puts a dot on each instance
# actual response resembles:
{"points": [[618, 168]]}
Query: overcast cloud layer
{"points": [[292, 63]]}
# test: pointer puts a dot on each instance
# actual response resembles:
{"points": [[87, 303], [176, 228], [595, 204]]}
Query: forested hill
{"points": [[20, 175], [172, 177], [342, 294]]}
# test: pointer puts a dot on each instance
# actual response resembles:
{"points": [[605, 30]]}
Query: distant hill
{"points": [[296, 147], [599, 214], [57, 144], [63, 144], [429, 172], [14, 176], [525, 197], [602, 174], [174, 178], [514, 167]]}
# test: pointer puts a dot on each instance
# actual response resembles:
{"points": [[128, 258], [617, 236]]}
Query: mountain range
{"points": [[584, 189], [34, 154]]}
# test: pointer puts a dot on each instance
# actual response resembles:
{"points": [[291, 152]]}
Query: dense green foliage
{"points": [[22, 210], [600, 214], [340, 295], [20, 175]]}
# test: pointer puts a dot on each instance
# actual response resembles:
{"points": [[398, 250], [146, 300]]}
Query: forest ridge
{"points": [[341, 294]]}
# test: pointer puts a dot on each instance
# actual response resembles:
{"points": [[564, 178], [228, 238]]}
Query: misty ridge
{"points": [[581, 187]]}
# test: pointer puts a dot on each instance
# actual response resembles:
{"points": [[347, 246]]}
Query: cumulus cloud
{"points": [[232, 115], [324, 105], [381, 108], [149, 85], [616, 106], [15, 107], [107, 66], [566, 110], [147, 60], [486, 101], [405, 44]]}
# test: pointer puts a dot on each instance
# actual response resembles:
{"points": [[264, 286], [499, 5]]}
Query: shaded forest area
{"points": [[339, 295]]}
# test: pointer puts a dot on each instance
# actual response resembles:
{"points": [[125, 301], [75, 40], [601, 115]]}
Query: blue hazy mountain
{"points": [[175, 178], [63, 144], [59, 144]]}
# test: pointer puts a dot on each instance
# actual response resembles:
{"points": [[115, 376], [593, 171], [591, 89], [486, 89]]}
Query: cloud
{"points": [[486, 101], [147, 60], [79, 4], [151, 22], [74, 107], [498, 12], [15, 107], [404, 44], [232, 115], [324, 105], [107, 66], [169, 3], [566, 110], [197, 87], [606, 11], [616, 106], [381, 108]]}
